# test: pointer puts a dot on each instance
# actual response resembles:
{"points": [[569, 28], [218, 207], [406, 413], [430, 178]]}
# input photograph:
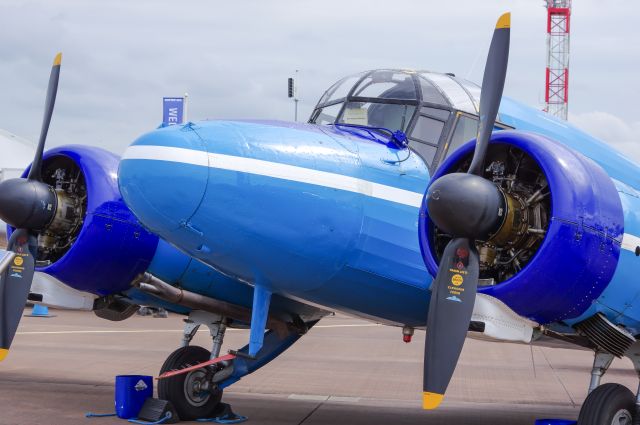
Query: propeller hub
{"points": [[466, 206], [27, 204]]}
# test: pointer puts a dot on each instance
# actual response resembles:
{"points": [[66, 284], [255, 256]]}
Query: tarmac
{"points": [[344, 371]]}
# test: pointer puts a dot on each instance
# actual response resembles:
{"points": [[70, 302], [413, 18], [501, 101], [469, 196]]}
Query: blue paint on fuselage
{"points": [[307, 241], [179, 269], [523, 117], [339, 249]]}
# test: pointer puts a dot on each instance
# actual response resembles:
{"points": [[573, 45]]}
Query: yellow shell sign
{"points": [[457, 280]]}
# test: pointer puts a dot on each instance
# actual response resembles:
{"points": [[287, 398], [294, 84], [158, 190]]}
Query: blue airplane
{"points": [[527, 224]]}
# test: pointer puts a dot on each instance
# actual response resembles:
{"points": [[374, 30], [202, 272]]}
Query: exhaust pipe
{"points": [[6, 260], [150, 284]]}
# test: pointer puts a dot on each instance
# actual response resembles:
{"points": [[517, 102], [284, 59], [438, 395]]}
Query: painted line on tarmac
{"points": [[329, 398], [136, 331], [129, 331], [339, 399], [308, 397], [357, 325]]}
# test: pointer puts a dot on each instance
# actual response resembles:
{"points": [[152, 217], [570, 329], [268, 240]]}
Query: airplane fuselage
{"points": [[337, 217], [320, 215]]}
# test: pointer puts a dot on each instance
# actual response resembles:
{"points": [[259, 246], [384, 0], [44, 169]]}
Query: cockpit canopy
{"points": [[438, 112]]}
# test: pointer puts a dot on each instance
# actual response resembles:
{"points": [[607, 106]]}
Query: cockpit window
{"points": [[437, 112], [473, 89], [340, 89], [427, 132], [428, 129], [387, 115], [466, 129], [458, 97], [441, 114], [328, 114], [387, 85], [430, 93]]}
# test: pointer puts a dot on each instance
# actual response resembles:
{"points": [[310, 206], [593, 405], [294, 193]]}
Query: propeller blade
{"points": [[453, 295], [467, 207], [495, 72], [15, 283], [36, 167], [28, 205]]}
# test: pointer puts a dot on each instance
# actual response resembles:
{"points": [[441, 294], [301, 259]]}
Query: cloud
{"points": [[610, 128], [121, 57]]}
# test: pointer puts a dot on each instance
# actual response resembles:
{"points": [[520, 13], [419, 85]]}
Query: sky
{"points": [[120, 57]]}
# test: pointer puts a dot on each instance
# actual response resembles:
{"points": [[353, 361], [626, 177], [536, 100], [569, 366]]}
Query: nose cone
{"points": [[163, 176], [26, 203], [465, 205]]}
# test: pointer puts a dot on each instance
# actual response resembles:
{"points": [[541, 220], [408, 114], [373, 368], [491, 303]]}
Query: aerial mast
{"points": [[293, 93], [557, 74]]}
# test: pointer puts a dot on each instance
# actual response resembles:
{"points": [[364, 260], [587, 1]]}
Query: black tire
{"points": [[609, 404], [179, 389]]}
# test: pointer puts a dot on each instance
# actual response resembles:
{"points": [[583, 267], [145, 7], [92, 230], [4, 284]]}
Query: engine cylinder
{"points": [[94, 243], [564, 227]]}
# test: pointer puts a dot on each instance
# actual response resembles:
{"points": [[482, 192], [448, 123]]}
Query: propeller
{"points": [[29, 205], [467, 207]]}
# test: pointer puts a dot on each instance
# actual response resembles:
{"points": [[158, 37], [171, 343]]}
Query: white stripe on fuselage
{"points": [[276, 170], [294, 173]]}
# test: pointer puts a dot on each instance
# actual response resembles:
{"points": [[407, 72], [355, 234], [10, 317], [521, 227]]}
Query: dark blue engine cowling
{"points": [[111, 247], [579, 253]]}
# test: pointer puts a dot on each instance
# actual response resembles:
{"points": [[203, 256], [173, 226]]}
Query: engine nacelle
{"points": [[560, 243], [94, 244]]}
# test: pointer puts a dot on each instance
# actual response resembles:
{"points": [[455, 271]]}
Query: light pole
{"points": [[293, 93], [186, 104], [295, 99]]}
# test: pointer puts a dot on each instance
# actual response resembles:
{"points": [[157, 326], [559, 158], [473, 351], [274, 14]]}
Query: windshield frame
{"points": [[419, 104]]}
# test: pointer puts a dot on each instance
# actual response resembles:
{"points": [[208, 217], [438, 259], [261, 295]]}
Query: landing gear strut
{"points": [[195, 394], [609, 404]]}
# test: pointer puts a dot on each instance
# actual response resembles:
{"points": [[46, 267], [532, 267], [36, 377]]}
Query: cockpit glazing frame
{"points": [[441, 102]]}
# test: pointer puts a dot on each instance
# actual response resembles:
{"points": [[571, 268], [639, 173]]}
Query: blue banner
{"points": [[172, 110]]}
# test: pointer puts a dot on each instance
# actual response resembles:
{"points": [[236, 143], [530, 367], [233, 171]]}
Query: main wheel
{"points": [[609, 404], [189, 392]]}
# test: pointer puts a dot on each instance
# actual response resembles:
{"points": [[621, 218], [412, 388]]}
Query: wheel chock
{"points": [[157, 411]]}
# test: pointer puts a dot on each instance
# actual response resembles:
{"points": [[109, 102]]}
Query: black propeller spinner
{"points": [[29, 205], [467, 207]]}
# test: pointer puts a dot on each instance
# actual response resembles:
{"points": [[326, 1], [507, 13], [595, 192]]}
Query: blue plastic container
{"points": [[131, 393], [555, 422]]}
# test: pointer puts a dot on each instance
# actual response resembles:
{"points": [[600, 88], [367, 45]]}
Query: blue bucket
{"points": [[131, 393], [555, 422]]}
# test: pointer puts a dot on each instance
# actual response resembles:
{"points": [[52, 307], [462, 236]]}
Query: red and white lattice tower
{"points": [[557, 79]]}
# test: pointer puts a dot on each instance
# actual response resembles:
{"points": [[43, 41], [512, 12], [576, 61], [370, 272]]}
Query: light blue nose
{"points": [[163, 176]]}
